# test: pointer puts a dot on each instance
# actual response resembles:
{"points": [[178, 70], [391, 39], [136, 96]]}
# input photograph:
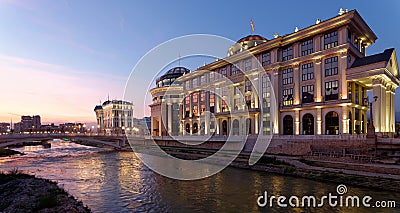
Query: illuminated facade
{"points": [[114, 117], [318, 77]]}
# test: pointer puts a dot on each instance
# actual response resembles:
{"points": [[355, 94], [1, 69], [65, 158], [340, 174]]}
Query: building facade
{"points": [[310, 82], [114, 117], [28, 124], [165, 107]]}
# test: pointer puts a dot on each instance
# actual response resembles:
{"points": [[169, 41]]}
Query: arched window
{"points": [[202, 128], [224, 127], [248, 126], [332, 123], [187, 128], [288, 125], [351, 131], [235, 127], [195, 128], [308, 124]]}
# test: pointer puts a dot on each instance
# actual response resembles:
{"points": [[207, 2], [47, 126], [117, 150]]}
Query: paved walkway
{"points": [[298, 164]]}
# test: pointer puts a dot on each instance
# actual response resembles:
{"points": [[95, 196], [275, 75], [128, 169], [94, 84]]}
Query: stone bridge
{"points": [[115, 141]]}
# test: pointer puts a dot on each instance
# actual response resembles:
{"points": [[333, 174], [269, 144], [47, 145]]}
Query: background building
{"points": [[28, 124], [114, 117]]}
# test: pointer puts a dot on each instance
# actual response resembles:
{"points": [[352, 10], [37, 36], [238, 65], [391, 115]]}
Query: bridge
{"points": [[116, 141]]}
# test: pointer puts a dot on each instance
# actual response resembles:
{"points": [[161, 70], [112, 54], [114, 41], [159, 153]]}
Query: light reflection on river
{"points": [[119, 182]]}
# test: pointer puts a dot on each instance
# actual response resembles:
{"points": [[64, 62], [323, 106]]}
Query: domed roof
{"points": [[169, 77], [178, 70], [98, 107], [251, 38]]}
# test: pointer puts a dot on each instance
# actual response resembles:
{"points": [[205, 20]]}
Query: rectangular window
{"points": [[307, 94], [247, 64], [307, 47], [203, 80], [224, 107], [223, 71], [331, 90], [212, 102], [236, 103], [288, 97], [237, 90], [187, 106], [330, 40], [331, 66], [202, 96], [187, 86], [287, 53], [212, 76], [307, 71], [266, 58], [247, 86], [266, 93], [287, 76], [235, 69], [194, 82]]}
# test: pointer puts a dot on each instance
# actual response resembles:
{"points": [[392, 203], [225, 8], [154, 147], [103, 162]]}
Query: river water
{"points": [[119, 182]]}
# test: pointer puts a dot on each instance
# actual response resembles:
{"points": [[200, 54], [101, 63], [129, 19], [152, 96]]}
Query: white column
{"points": [[297, 122], [296, 88], [319, 121], [345, 122], [377, 91], [256, 123], [388, 110], [169, 122], [318, 81]]}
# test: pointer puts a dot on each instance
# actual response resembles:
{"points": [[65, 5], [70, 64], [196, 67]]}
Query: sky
{"points": [[58, 59]]}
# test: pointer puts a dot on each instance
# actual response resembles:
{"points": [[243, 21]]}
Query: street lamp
{"points": [[371, 128]]}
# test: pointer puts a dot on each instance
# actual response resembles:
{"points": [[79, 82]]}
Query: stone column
{"points": [[342, 66], [344, 129], [297, 122], [318, 80], [393, 115], [388, 105], [159, 127], [207, 123], [296, 87], [275, 85], [382, 102], [377, 91], [169, 119], [256, 130], [319, 121]]}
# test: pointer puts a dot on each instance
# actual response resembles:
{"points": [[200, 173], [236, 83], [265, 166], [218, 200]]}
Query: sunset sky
{"points": [[58, 59]]}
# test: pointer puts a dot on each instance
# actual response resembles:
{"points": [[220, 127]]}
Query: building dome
{"points": [[246, 43], [252, 38], [171, 75], [98, 107]]}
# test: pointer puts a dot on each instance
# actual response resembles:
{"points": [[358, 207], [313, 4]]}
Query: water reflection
{"points": [[119, 182]]}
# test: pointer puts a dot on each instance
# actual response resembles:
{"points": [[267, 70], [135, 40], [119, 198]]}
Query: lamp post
{"points": [[371, 128]]}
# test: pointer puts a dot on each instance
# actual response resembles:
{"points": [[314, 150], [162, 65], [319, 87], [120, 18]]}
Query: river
{"points": [[119, 182]]}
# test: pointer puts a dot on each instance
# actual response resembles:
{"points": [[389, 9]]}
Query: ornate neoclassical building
{"points": [[317, 78]]}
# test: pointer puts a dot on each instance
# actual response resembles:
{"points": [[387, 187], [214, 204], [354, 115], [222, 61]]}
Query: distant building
{"points": [[72, 128], [114, 117], [49, 128], [5, 127], [28, 124]]}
